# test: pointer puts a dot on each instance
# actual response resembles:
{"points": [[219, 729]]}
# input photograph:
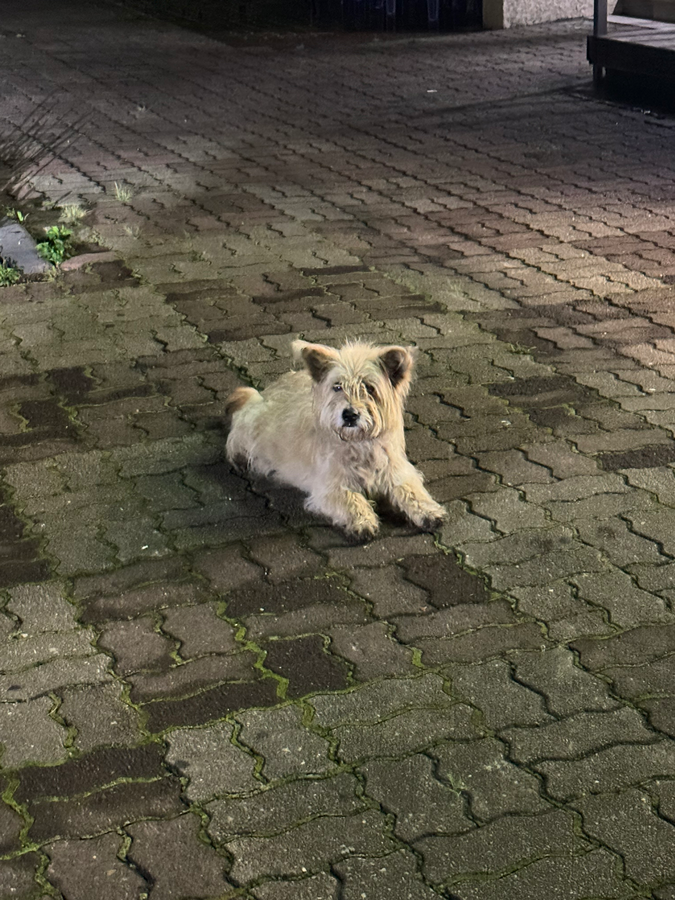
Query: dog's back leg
{"points": [[239, 406], [240, 397]]}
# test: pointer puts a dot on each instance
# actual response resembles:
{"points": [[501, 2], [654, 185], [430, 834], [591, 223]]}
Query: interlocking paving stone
{"points": [[209, 704], [650, 679], [546, 568], [99, 715], [199, 630], [103, 767], [176, 860], [18, 248], [392, 876], [508, 510], [211, 761], [316, 887], [29, 734], [576, 737], [632, 647], [310, 847], [286, 747], [282, 807], [17, 877], [226, 568], [184, 680], [136, 601], [371, 650], [82, 869], [283, 557], [496, 847], [35, 682], [565, 686], [559, 878], [487, 685], [289, 596], [629, 825], [315, 617], [11, 824], [105, 810], [454, 620], [626, 604], [409, 731], [421, 802], [607, 770], [136, 646], [520, 547], [661, 714], [380, 553], [494, 785], [377, 701], [484, 643], [41, 608], [306, 665], [447, 583], [620, 545], [558, 605], [389, 592]]}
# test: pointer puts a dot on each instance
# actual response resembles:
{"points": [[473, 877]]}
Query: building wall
{"points": [[507, 13]]}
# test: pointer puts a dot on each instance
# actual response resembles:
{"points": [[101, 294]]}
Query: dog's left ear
{"points": [[397, 363], [317, 358]]}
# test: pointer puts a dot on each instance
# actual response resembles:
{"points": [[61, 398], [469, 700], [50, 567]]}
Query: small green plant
{"points": [[72, 214], [8, 274], [57, 246], [12, 213], [123, 192]]}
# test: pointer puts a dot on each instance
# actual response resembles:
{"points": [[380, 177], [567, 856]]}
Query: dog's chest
{"points": [[365, 464]]}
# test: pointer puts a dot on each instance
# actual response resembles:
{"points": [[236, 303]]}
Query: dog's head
{"points": [[360, 389]]}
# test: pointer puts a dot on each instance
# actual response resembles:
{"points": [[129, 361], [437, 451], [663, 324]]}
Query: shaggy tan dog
{"points": [[335, 431]]}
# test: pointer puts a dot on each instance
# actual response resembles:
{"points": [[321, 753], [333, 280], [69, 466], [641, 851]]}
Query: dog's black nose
{"points": [[350, 417]]}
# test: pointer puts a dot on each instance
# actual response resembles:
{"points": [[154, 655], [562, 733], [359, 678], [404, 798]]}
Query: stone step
{"points": [[17, 248]]}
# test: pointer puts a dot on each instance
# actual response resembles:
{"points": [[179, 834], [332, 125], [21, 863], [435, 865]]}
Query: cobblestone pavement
{"points": [[206, 693]]}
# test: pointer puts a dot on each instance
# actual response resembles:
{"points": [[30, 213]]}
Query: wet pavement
{"points": [[206, 692]]}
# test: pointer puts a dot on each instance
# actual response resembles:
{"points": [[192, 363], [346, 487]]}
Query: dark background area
{"points": [[352, 15]]}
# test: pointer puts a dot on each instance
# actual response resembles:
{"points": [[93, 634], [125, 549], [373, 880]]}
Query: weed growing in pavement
{"points": [[72, 214], [522, 350], [123, 192], [12, 213], [8, 274], [57, 245]]}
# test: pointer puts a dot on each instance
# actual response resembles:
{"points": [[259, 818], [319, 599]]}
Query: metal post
{"points": [[599, 18], [599, 30]]}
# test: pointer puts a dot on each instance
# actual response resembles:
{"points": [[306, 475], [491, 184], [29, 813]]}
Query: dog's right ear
{"points": [[317, 359]]}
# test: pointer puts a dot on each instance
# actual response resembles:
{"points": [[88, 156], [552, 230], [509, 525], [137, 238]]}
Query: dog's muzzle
{"points": [[350, 417]]}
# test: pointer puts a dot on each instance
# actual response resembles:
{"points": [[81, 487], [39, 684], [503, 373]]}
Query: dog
{"points": [[334, 429]]}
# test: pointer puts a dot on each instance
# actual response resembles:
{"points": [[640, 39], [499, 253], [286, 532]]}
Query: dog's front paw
{"points": [[348, 510], [432, 523], [362, 533], [364, 525], [431, 518]]}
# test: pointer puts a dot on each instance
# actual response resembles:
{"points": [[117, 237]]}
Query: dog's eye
{"points": [[370, 388], [337, 387]]}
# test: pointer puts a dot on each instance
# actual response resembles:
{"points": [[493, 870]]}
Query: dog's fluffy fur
{"points": [[335, 430]]}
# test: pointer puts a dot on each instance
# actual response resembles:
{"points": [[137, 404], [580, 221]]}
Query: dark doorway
{"points": [[399, 15]]}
